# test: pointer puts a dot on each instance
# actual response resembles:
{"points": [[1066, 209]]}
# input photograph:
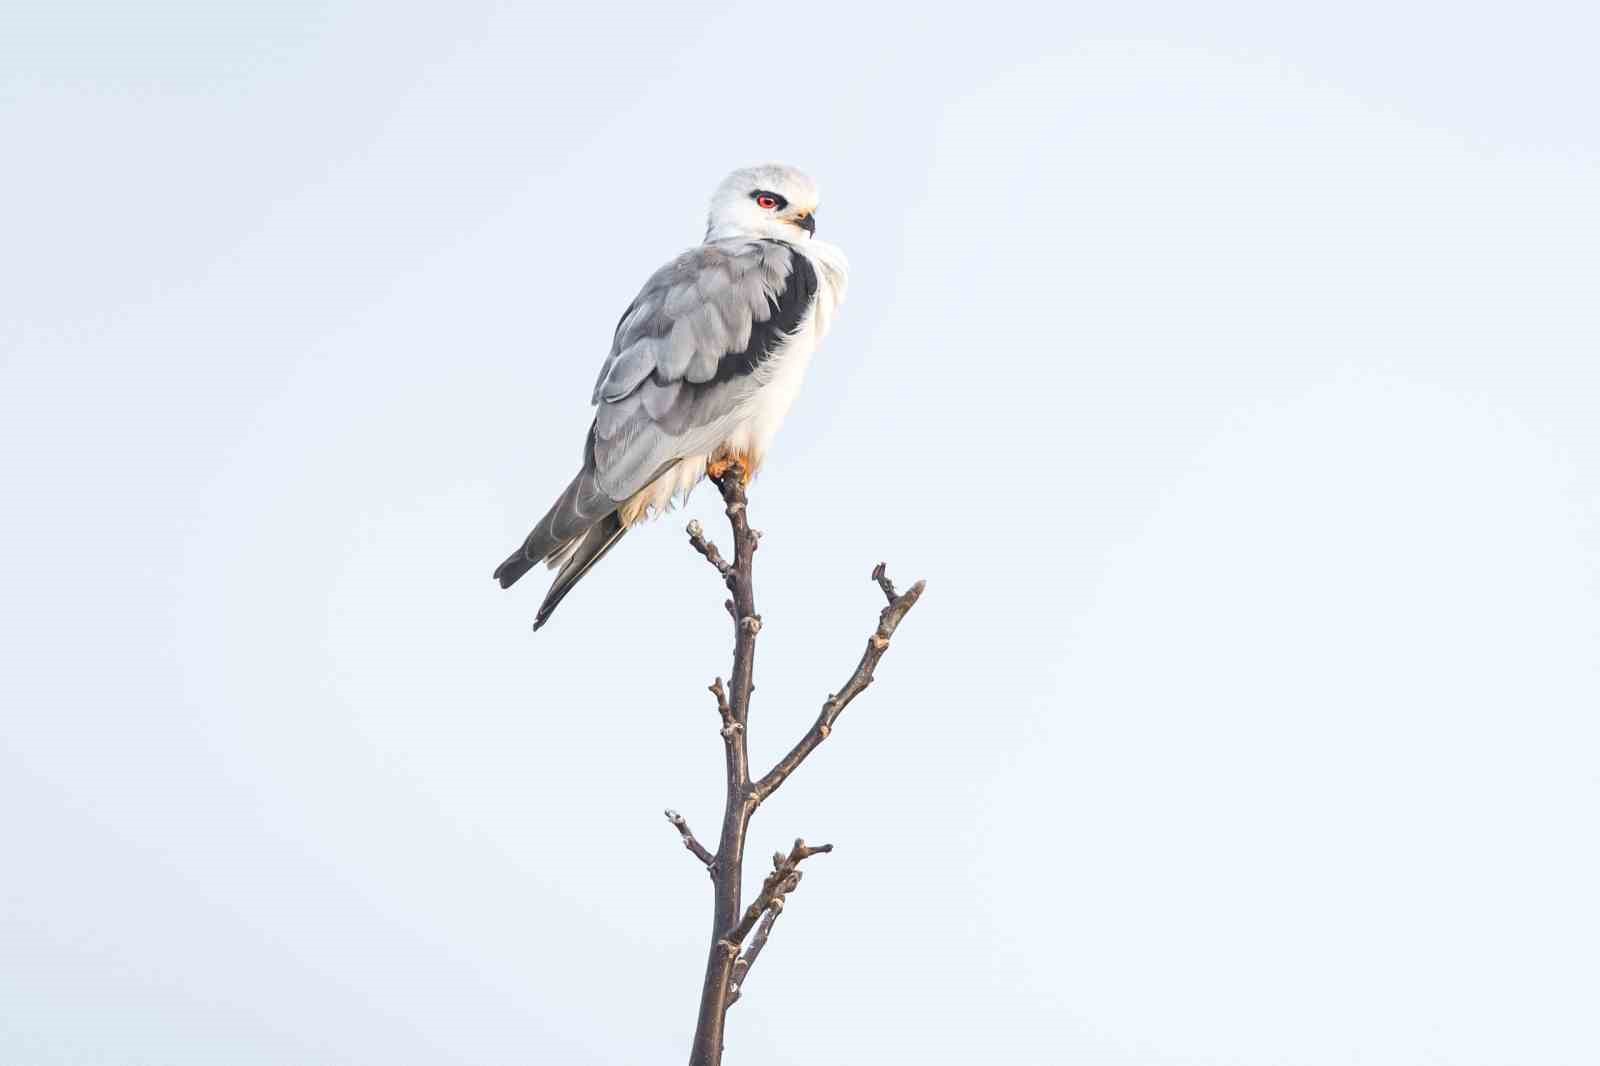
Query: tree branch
{"points": [[889, 620], [784, 879], [741, 969], [880, 574], [730, 724], [731, 926], [733, 704], [689, 841], [697, 539]]}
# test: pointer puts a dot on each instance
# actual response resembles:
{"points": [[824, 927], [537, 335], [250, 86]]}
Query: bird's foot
{"points": [[717, 468]]}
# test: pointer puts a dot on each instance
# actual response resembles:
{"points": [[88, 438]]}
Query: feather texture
{"points": [[707, 358]]}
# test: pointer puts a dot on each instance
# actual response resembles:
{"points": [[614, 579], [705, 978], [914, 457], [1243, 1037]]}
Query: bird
{"points": [[704, 366]]}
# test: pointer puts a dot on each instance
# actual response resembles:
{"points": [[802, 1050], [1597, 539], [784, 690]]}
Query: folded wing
{"points": [[685, 356]]}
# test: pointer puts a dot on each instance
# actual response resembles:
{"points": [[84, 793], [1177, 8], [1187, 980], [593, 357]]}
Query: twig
{"points": [[741, 969], [780, 882], [697, 539], [689, 841], [785, 878], [889, 620], [730, 724], [880, 574]]}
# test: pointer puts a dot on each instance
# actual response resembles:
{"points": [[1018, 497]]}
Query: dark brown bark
{"points": [[726, 967]]}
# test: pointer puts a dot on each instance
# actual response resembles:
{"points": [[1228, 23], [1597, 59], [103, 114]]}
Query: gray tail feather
{"points": [[580, 527], [569, 519], [514, 567], [601, 538]]}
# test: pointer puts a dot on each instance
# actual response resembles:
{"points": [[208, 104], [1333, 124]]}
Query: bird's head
{"points": [[766, 201]]}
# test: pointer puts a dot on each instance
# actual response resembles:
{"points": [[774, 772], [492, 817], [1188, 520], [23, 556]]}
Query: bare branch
{"points": [[689, 841], [740, 580], [730, 725], [697, 540], [783, 879], [733, 703], [741, 969], [880, 574], [889, 620], [739, 934]]}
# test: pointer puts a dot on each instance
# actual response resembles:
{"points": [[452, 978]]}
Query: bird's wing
{"points": [[685, 355]]}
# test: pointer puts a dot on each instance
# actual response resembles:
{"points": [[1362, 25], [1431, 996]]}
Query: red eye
{"points": [[765, 202]]}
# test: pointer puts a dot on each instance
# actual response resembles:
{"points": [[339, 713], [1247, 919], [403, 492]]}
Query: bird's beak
{"points": [[807, 223]]}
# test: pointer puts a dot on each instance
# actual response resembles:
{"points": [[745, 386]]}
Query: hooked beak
{"points": [[807, 223]]}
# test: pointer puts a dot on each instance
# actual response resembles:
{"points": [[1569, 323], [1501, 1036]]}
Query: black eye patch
{"points": [[763, 193]]}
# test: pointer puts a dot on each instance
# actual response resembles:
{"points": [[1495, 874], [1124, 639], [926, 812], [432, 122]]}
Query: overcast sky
{"points": [[1229, 372]]}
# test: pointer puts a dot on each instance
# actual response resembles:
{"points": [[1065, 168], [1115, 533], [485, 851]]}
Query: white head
{"points": [[766, 201]]}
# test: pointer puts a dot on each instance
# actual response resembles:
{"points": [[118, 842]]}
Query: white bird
{"points": [[704, 366]]}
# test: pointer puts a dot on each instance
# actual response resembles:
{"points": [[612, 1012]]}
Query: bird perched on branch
{"points": [[704, 366]]}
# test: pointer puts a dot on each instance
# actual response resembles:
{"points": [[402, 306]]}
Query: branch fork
{"points": [[730, 957], [784, 879]]}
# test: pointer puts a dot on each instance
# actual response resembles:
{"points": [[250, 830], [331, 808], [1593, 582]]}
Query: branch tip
{"points": [[889, 619], [698, 541], [682, 826], [880, 574]]}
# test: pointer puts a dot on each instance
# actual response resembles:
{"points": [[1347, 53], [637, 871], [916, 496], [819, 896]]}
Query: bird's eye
{"points": [[766, 201]]}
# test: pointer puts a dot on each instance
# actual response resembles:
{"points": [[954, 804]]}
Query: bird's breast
{"points": [[781, 375]]}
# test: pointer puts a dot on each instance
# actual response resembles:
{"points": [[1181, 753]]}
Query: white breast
{"points": [[784, 372]]}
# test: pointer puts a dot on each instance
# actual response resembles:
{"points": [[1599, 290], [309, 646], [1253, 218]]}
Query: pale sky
{"points": [[1229, 372]]}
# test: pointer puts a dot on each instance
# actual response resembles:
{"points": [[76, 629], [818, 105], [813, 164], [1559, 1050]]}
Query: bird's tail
{"points": [[514, 567], [578, 530], [588, 550]]}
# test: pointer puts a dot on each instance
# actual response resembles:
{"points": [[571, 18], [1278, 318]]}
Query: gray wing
{"points": [[685, 355]]}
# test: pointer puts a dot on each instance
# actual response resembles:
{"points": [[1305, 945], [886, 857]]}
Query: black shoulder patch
{"points": [[788, 309]]}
